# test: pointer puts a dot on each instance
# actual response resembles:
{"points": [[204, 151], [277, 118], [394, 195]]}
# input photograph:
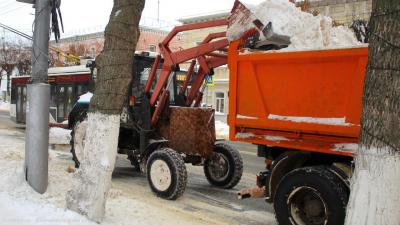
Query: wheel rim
{"points": [[160, 175], [307, 207], [218, 167]]}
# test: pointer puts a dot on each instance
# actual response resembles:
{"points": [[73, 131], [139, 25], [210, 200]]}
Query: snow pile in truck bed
{"points": [[305, 30]]}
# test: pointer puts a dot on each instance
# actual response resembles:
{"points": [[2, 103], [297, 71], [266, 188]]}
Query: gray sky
{"points": [[86, 16]]}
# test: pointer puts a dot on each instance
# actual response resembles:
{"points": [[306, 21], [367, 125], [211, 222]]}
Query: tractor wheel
{"points": [[166, 173], [225, 166], [312, 196]]}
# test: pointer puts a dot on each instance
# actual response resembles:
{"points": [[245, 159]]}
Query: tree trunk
{"points": [[93, 180], [375, 195], [8, 82]]}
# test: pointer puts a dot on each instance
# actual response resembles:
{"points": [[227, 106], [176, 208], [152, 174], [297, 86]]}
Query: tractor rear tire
{"points": [[225, 167], [166, 173], [312, 196]]}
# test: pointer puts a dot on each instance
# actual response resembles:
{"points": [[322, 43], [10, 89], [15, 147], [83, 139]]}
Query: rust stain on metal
{"points": [[190, 130]]}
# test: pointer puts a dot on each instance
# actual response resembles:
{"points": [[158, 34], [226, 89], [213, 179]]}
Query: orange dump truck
{"points": [[302, 109]]}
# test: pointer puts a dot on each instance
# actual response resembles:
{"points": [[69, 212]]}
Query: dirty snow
{"points": [[246, 117], [130, 199], [59, 136], [305, 30], [275, 138], [4, 106], [345, 147], [221, 130], [297, 119], [244, 135]]}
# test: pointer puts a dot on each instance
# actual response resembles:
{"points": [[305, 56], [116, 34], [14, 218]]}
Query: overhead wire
{"points": [[12, 10]]}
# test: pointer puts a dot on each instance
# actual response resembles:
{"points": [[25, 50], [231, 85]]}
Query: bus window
{"points": [[69, 101], [53, 96], [60, 102]]}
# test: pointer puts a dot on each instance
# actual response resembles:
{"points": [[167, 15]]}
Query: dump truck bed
{"points": [[305, 100]]}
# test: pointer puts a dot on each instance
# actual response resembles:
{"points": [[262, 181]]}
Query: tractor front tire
{"points": [[166, 173], [224, 168]]}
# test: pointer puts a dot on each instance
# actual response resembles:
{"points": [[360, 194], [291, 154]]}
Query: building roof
{"points": [[205, 17], [68, 70], [100, 34]]}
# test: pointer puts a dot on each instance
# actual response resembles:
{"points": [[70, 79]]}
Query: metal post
{"points": [[37, 112]]}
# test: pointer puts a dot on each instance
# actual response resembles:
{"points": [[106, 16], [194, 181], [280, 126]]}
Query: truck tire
{"points": [[166, 173], [225, 167], [312, 196]]}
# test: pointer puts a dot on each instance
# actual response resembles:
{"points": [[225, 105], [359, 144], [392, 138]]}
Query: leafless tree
{"points": [[14, 54], [375, 198]]}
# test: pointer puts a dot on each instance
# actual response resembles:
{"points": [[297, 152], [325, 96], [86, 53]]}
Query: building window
{"points": [[219, 102], [152, 48]]}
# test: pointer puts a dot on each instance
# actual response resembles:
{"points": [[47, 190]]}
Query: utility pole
{"points": [[37, 110]]}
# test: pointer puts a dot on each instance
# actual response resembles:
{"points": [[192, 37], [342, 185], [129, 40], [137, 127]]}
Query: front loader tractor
{"points": [[162, 124]]}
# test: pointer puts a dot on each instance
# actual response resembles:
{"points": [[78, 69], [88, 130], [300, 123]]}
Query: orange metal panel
{"points": [[297, 92]]}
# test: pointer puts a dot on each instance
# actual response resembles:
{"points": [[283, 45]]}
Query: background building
{"points": [[90, 45], [342, 11], [215, 94]]}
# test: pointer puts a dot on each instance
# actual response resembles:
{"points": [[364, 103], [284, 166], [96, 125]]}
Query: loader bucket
{"points": [[242, 19], [190, 130]]}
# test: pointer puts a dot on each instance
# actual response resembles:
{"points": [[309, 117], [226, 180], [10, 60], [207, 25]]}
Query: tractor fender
{"points": [[153, 145]]}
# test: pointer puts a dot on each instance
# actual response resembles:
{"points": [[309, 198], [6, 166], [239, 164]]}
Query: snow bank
{"points": [[305, 30], [19, 204], [328, 121], [345, 147], [59, 136], [221, 130], [4, 106], [22, 211]]}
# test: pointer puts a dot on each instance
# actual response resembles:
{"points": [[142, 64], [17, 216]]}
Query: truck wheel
{"points": [[312, 196], [225, 167], [166, 173]]}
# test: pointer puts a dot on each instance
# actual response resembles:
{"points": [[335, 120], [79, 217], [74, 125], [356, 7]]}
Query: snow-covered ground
{"points": [[130, 201], [59, 136], [4, 106], [19, 204]]}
